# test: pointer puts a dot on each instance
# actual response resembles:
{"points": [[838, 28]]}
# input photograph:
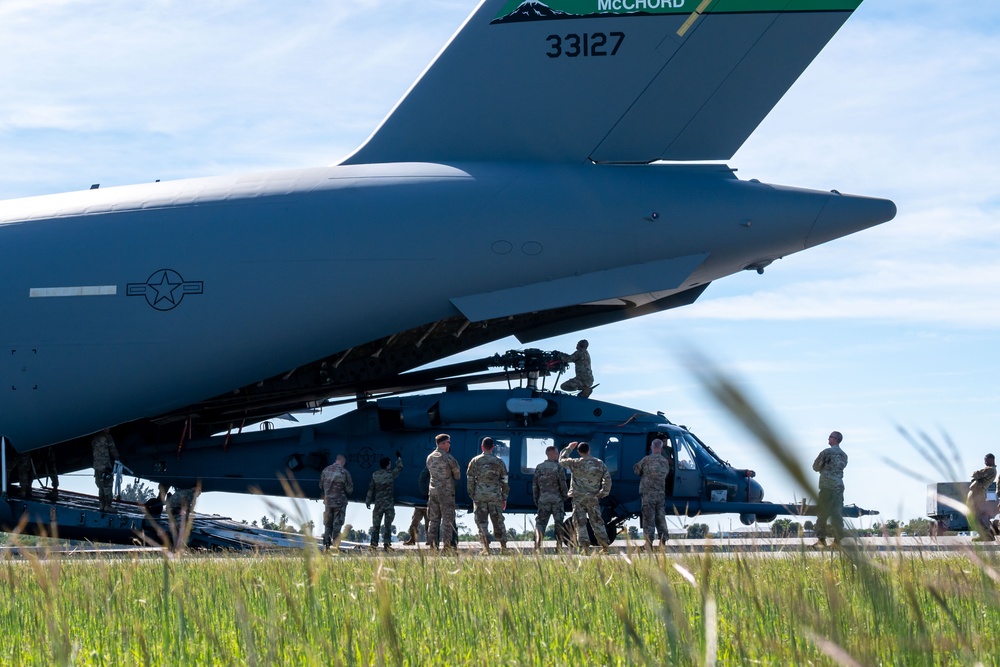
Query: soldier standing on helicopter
{"points": [[584, 380]]}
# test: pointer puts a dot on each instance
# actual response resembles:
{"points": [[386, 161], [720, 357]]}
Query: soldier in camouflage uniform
{"points": [[380, 492], [25, 473], [180, 503], [105, 453], [590, 482], [979, 509], [830, 465], [584, 380], [487, 482], [420, 513], [444, 472], [53, 473], [336, 485], [550, 492], [652, 471]]}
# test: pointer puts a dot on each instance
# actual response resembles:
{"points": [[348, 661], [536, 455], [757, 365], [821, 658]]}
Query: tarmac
{"points": [[786, 546], [727, 547]]}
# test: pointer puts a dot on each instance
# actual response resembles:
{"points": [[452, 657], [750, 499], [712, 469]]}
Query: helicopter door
{"points": [[687, 477]]}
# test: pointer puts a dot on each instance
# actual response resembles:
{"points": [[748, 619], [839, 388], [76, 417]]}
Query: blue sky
{"points": [[895, 326]]}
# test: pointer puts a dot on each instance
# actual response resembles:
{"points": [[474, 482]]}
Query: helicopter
{"points": [[522, 420]]}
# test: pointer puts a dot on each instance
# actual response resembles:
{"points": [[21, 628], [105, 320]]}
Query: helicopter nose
{"points": [[846, 214]]}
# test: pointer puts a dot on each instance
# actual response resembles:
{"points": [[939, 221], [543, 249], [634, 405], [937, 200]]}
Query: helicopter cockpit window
{"points": [[501, 447], [683, 457], [533, 452]]}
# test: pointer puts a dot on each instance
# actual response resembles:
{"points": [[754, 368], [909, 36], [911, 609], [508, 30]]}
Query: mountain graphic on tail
{"points": [[531, 10]]}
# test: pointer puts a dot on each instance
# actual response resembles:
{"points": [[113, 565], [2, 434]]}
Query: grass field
{"points": [[309, 609]]}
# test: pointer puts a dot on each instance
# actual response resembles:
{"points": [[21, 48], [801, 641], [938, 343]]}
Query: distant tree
{"points": [[779, 528], [890, 527], [137, 492], [356, 535], [785, 528], [697, 531], [919, 526], [809, 525], [633, 533]]}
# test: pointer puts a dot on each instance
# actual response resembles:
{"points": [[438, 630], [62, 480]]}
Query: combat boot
{"points": [[411, 540], [386, 547], [586, 392]]}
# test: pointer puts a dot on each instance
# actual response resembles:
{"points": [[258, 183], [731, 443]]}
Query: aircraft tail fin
{"points": [[605, 80]]}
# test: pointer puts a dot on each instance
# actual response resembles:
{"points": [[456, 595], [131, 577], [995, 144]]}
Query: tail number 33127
{"points": [[594, 44]]}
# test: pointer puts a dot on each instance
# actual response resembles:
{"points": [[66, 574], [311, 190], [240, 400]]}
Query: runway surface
{"points": [[726, 546]]}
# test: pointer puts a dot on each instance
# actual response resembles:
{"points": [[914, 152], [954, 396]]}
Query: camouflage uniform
{"points": [[53, 473], [584, 379], [488, 488], [181, 500], [420, 513], [590, 482], [830, 465], [336, 484], [444, 472], [25, 474], [550, 492], [105, 452], [978, 507], [380, 492], [652, 471]]}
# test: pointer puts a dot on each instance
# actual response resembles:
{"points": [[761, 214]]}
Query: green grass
{"points": [[838, 608]]}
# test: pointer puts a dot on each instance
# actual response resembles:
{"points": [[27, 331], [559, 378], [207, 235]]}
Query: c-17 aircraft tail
{"points": [[605, 80]]}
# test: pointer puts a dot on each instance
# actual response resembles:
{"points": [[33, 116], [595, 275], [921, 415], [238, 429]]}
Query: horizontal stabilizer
{"points": [[625, 81]]}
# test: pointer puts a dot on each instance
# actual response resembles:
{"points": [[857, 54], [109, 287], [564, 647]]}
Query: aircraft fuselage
{"points": [[130, 302]]}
